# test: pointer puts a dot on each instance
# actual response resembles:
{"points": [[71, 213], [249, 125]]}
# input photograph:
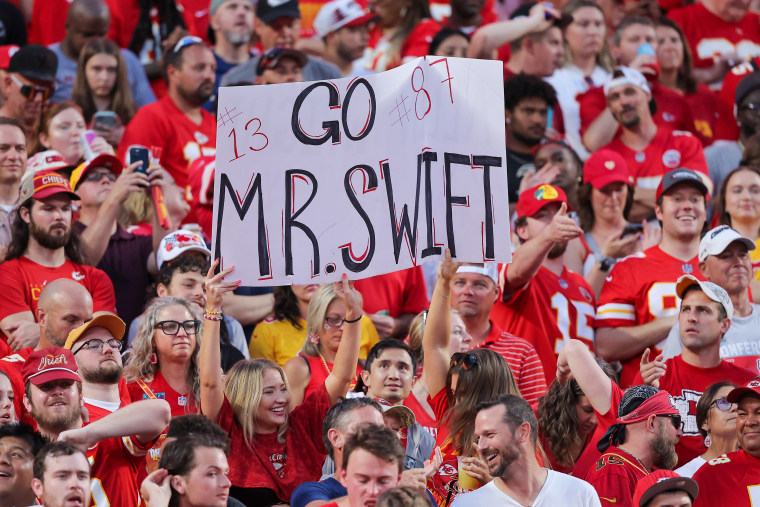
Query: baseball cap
{"points": [[711, 290], [44, 184], [752, 388], [6, 52], [271, 58], [269, 10], [606, 166], [660, 481], [34, 61], [108, 321], [533, 199], [48, 364], [402, 412], [627, 75], [681, 175], [748, 83], [339, 13], [110, 162], [715, 241], [49, 160], [490, 270], [179, 242]]}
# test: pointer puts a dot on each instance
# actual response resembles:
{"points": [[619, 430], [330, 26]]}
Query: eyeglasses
{"points": [[30, 92], [96, 345], [171, 327], [723, 404], [468, 361], [97, 176], [674, 419], [185, 41], [331, 322]]}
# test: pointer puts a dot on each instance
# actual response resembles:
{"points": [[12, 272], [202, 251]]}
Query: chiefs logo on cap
{"points": [[754, 383], [51, 360]]}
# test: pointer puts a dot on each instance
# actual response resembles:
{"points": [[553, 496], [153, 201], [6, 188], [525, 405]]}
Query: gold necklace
{"points": [[324, 363]]}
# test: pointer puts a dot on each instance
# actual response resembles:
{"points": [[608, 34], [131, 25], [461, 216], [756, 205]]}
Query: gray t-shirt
{"points": [[722, 157], [741, 340], [316, 70], [142, 93]]}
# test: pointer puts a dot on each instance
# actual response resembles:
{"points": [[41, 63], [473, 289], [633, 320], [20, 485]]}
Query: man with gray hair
{"points": [[507, 431], [703, 318]]}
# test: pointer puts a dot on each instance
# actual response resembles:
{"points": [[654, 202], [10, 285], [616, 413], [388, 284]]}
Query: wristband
{"points": [[605, 263], [357, 319]]}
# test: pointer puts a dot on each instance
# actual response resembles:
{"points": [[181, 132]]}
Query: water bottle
{"points": [[647, 49]]}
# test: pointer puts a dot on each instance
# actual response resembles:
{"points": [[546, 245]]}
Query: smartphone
{"points": [[632, 229], [104, 120], [86, 138], [138, 153]]}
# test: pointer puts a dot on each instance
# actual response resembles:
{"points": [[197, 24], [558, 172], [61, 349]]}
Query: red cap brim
{"points": [[51, 374], [47, 192]]}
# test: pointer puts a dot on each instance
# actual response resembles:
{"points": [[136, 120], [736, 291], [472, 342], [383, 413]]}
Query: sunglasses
{"points": [[723, 404], [674, 419], [468, 361], [30, 92], [96, 176], [187, 40]]}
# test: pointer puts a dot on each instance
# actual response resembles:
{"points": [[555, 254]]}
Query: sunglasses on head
{"points": [[185, 41], [468, 361], [30, 91], [723, 404]]}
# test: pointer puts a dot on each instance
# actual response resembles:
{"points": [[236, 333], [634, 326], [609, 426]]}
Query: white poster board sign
{"points": [[362, 176]]}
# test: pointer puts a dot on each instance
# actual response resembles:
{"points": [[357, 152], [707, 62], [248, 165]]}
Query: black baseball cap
{"points": [[681, 175], [271, 58], [269, 10], [34, 62], [748, 83]]}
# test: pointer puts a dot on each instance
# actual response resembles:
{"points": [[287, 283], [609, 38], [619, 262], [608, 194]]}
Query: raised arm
{"points": [[576, 360], [620, 343], [212, 389], [344, 368], [487, 39], [435, 339]]}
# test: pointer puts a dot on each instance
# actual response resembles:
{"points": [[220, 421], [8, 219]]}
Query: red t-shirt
{"points": [[686, 383], [267, 463], [732, 479], [424, 419], [672, 111], [725, 124], [639, 289], [180, 403], [397, 293], [522, 360], [668, 150], [548, 311], [47, 25], [114, 463], [709, 36], [615, 476], [162, 125], [22, 280]]}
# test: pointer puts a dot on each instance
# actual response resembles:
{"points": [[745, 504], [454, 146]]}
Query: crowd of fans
{"points": [[614, 361]]}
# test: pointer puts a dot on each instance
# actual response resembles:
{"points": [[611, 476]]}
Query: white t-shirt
{"points": [[690, 468], [559, 489]]}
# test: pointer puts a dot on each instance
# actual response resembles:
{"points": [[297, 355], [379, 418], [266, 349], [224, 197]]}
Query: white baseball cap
{"points": [[179, 242], [339, 13], [715, 241], [629, 76], [711, 290], [490, 270]]}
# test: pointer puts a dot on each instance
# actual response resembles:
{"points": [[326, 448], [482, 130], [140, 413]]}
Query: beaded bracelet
{"points": [[209, 312], [357, 319], [212, 316]]}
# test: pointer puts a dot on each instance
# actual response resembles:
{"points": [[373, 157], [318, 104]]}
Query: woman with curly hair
{"points": [[164, 357]]}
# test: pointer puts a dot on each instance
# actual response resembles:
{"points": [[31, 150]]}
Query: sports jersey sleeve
{"points": [[101, 290], [13, 297], [616, 302]]}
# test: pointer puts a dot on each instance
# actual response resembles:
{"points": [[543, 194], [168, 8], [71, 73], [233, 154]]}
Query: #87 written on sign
{"points": [[362, 176]]}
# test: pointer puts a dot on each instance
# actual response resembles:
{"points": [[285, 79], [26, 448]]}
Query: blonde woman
{"points": [[276, 448]]}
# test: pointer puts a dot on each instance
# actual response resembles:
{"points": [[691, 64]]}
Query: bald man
{"points": [[86, 20]]}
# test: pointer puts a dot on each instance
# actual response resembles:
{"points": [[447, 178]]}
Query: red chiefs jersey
{"points": [[162, 125], [725, 125], [639, 289], [588, 458], [686, 383], [709, 36], [522, 359], [703, 104], [181, 404], [614, 477], [548, 311], [396, 293], [422, 416], [444, 484], [672, 110], [114, 463], [22, 280], [668, 150], [732, 479]]}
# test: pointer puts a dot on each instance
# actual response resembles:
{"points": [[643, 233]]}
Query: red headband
{"points": [[659, 404]]}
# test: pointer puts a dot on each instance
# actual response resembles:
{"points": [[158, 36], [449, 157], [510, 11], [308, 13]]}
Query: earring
{"points": [[153, 358], [314, 338], [708, 441], [403, 11]]}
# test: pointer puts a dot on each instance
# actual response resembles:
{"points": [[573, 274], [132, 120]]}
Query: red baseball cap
{"points": [[48, 364], [604, 167], [752, 388], [532, 200], [44, 184], [660, 481]]}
